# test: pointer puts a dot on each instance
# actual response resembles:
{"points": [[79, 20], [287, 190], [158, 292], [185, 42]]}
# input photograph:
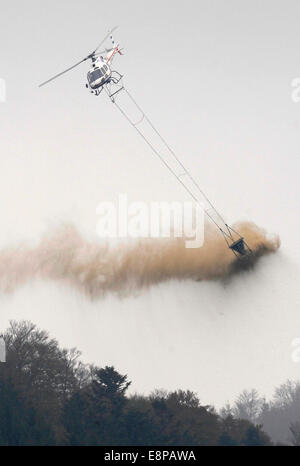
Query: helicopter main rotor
{"points": [[91, 56]]}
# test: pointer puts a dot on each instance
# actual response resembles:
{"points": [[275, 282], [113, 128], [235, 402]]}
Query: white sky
{"points": [[215, 77]]}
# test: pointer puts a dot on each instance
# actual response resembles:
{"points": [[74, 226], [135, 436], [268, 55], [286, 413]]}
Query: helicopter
{"points": [[100, 72], [101, 76]]}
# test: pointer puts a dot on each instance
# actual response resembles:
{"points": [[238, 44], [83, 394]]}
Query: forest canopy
{"points": [[49, 397]]}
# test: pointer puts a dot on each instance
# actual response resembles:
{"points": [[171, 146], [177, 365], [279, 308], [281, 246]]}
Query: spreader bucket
{"points": [[239, 246]]}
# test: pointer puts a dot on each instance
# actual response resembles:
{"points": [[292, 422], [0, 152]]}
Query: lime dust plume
{"points": [[96, 269]]}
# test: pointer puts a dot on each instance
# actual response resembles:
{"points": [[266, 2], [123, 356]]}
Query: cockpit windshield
{"points": [[95, 74]]}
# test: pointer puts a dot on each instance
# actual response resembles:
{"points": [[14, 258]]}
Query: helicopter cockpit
{"points": [[98, 76]]}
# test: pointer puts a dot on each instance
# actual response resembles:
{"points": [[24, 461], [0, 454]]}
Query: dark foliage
{"points": [[47, 397]]}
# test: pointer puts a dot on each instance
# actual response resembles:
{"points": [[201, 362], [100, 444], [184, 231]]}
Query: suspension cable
{"points": [[162, 159], [175, 156]]}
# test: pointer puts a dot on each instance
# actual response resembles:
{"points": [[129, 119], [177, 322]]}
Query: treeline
{"points": [[280, 416], [48, 397]]}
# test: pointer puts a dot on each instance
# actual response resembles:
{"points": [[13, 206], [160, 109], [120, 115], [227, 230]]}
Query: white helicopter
{"points": [[100, 77], [100, 72]]}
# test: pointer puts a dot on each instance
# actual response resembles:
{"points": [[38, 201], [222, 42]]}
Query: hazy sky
{"points": [[215, 77]]}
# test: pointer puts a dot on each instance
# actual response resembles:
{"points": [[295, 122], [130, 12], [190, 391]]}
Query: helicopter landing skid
{"points": [[115, 77], [114, 85], [97, 92]]}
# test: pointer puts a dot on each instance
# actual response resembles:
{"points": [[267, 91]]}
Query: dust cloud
{"points": [[96, 269]]}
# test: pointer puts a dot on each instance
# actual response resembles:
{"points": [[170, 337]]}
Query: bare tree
{"points": [[287, 393], [248, 405], [295, 431]]}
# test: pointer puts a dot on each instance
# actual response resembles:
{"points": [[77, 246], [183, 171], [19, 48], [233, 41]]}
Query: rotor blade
{"points": [[102, 52], [63, 72], [107, 35]]}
